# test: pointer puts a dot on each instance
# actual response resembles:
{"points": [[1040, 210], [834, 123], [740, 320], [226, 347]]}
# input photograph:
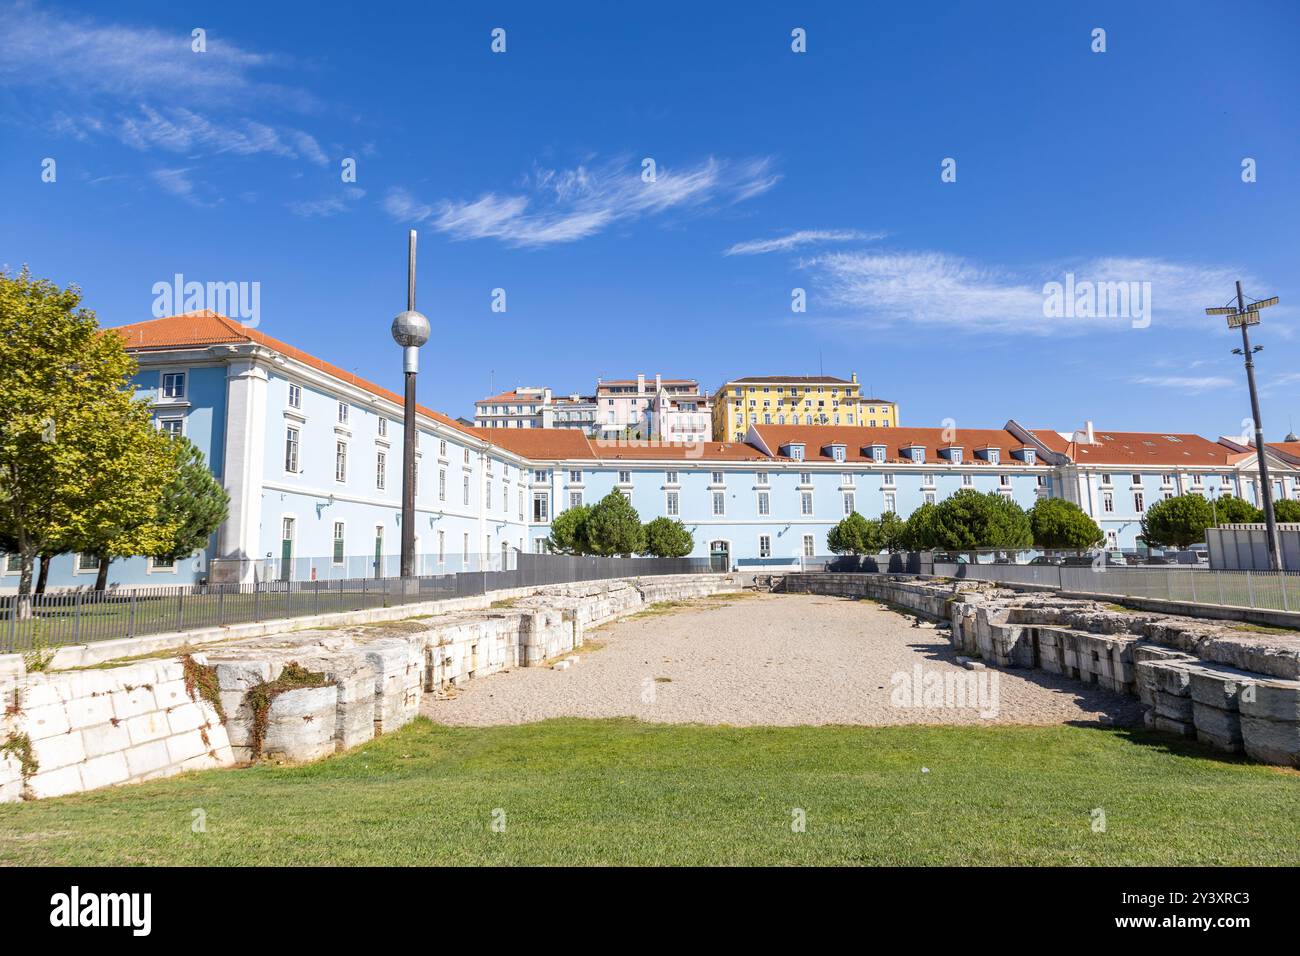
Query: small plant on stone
{"points": [[259, 698]]}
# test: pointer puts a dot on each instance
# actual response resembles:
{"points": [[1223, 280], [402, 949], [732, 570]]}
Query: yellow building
{"points": [[795, 400]]}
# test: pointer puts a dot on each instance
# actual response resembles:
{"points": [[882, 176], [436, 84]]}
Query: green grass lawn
{"points": [[623, 792]]}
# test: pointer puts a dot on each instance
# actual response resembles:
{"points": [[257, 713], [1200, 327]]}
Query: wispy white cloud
{"points": [[89, 58], [1184, 383], [566, 205], [940, 289], [804, 237], [148, 89], [324, 208], [178, 183], [180, 130]]}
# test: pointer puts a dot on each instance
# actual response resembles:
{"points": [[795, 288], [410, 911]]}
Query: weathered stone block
{"points": [[59, 751], [104, 771], [56, 783], [147, 758], [40, 722], [182, 747], [132, 703], [300, 723], [105, 739], [1271, 741], [147, 727], [89, 711]]}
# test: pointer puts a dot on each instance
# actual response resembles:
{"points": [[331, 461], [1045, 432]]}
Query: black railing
{"points": [[82, 617]]}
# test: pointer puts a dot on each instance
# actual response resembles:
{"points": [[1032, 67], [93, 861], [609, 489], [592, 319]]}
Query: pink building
{"points": [[669, 409]]}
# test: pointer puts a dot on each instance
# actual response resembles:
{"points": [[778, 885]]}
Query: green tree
{"points": [[968, 520], [78, 454], [922, 531], [668, 538], [1286, 510], [614, 527], [1057, 523], [569, 531], [1232, 510], [854, 535], [1177, 522], [893, 532], [193, 503]]}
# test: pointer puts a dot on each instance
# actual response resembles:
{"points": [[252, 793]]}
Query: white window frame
{"points": [[341, 458]]}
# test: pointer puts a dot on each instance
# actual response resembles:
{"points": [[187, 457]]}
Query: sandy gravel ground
{"points": [[774, 660]]}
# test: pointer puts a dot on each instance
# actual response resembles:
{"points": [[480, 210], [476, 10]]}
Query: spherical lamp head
{"points": [[410, 329]]}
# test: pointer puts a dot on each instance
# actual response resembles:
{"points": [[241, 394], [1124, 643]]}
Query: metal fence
{"points": [[1260, 590], [81, 617]]}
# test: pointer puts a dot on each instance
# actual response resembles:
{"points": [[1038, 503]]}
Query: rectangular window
{"points": [[442, 484], [929, 497], [340, 461], [442, 448], [1105, 479], [717, 477], [541, 508], [888, 477], [173, 385], [343, 413], [890, 502], [539, 476], [1139, 505], [487, 496], [764, 503], [1004, 479], [521, 504], [467, 491], [291, 450], [162, 564], [806, 503], [809, 546], [672, 506], [13, 563], [848, 502], [764, 546], [1137, 479], [381, 469], [467, 456], [442, 547], [967, 480], [383, 427], [1107, 503], [670, 478], [575, 499], [575, 476], [719, 503], [295, 396], [805, 477], [625, 477], [465, 548], [762, 478], [338, 542], [87, 562], [172, 426]]}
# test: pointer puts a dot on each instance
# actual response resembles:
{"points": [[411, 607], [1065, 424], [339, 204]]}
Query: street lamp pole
{"points": [[410, 331], [1245, 317]]}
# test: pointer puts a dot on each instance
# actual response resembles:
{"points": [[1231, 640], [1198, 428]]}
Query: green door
{"points": [[286, 549], [379, 551]]}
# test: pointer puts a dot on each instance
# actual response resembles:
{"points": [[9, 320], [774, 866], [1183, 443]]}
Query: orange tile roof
{"points": [[193, 329], [551, 444], [853, 437], [511, 396], [1138, 448]]}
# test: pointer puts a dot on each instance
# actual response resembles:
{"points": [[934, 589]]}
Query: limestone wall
{"points": [[296, 696], [1232, 689]]}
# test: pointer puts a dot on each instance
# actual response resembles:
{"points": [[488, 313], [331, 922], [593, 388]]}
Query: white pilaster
{"points": [[245, 452]]}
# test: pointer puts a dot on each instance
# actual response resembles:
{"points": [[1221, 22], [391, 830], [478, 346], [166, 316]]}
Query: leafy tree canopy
{"points": [[614, 527], [1177, 522], [1057, 523], [668, 538]]}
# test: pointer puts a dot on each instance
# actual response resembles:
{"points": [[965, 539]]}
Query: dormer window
{"points": [[1031, 456], [917, 455], [837, 452], [954, 455], [794, 450], [994, 456], [878, 453]]}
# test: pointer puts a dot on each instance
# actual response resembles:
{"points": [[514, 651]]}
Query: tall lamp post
{"points": [[410, 331], [1243, 317]]}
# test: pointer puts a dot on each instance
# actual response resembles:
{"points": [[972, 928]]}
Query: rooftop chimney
{"points": [[1087, 427], [640, 381], [657, 382], [546, 396], [854, 377]]}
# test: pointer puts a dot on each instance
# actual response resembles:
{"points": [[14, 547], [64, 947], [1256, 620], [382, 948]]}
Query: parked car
{"points": [[1044, 559], [1196, 554]]}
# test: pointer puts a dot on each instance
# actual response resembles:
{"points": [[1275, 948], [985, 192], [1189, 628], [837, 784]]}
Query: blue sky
{"points": [[775, 170]]}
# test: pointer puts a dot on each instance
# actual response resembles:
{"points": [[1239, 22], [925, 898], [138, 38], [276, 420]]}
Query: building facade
{"points": [[817, 400], [529, 407], [645, 408], [311, 457]]}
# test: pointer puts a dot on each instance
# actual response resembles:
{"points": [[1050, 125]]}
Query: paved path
{"points": [[776, 660]]}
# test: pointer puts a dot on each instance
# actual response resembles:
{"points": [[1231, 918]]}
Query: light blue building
{"points": [[311, 456]]}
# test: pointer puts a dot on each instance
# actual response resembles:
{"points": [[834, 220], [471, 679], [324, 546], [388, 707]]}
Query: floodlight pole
{"points": [[1261, 455], [410, 331]]}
